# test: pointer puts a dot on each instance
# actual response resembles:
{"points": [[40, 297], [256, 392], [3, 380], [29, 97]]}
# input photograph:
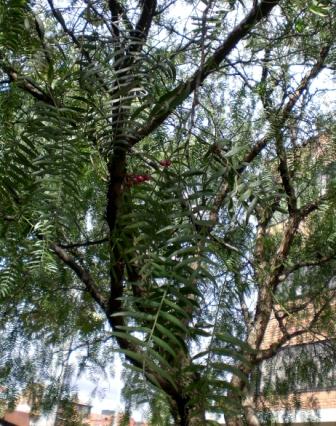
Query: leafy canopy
{"points": [[147, 161]]}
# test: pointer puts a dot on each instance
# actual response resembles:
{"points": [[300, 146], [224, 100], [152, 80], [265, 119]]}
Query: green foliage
{"points": [[140, 202]]}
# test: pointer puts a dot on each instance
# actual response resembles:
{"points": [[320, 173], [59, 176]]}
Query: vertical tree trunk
{"points": [[250, 411], [248, 416], [191, 417], [187, 406], [187, 412]]}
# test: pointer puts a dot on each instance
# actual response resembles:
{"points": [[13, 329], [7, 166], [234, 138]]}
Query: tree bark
{"points": [[190, 416], [248, 415], [250, 411], [187, 408]]}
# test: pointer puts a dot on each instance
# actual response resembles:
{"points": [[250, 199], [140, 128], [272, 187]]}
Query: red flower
{"points": [[165, 163], [141, 178]]}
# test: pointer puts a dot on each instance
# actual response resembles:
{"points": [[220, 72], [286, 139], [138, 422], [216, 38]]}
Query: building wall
{"points": [[18, 418], [294, 323], [319, 405], [303, 401], [113, 419]]}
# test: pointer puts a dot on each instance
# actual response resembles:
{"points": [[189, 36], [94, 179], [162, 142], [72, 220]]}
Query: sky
{"points": [[108, 392], [107, 395]]}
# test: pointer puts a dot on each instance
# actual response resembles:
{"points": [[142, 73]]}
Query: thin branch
{"points": [[84, 243], [100, 15], [286, 335], [312, 206], [82, 273], [314, 71], [27, 84], [59, 18], [285, 174], [316, 262], [264, 354], [240, 74], [113, 318], [164, 107], [164, 8], [243, 306], [40, 33], [263, 142]]}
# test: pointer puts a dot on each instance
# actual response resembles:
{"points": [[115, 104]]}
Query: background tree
{"points": [[145, 160]]}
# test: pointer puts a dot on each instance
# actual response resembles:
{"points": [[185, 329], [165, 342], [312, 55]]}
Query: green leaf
{"points": [[226, 337], [176, 307], [161, 343], [168, 334], [318, 9], [172, 319], [127, 337]]}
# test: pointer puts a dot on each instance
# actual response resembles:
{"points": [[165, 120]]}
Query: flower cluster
{"points": [[165, 163], [141, 178], [134, 179]]}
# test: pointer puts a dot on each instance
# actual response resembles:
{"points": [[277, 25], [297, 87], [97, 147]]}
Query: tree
{"points": [[144, 165]]}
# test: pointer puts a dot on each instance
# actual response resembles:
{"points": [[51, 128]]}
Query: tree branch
{"points": [[314, 71], [144, 23], [263, 142], [113, 318], [27, 84], [168, 102], [312, 206], [285, 174], [116, 10], [316, 262], [287, 336], [84, 243], [40, 33], [264, 354], [59, 18], [82, 273]]}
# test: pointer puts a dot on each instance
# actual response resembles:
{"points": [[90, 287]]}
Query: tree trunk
{"points": [[187, 405], [187, 412], [183, 416], [190, 416], [248, 414], [250, 411], [248, 417]]}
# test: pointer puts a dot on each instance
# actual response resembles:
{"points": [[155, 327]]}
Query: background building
{"points": [[69, 413]]}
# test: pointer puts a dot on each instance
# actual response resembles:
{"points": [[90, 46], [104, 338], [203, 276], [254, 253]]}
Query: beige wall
{"points": [[302, 400], [296, 322]]}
